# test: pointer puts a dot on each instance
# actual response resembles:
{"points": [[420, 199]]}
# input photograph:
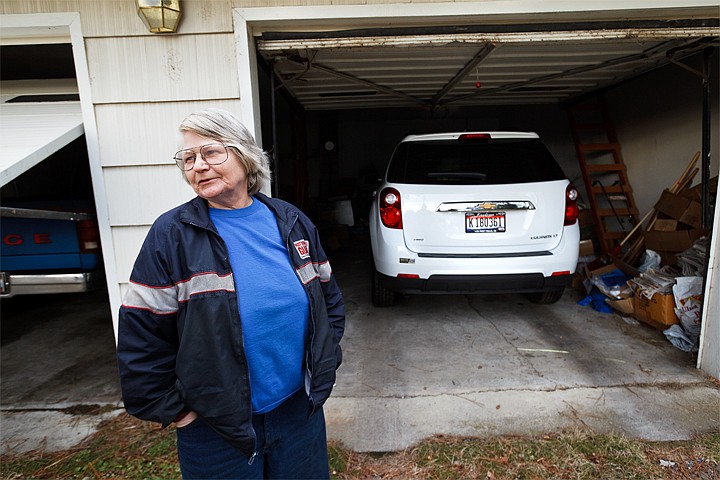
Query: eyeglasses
{"points": [[212, 154]]}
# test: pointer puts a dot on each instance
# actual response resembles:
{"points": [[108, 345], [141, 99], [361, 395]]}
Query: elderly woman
{"points": [[232, 322]]}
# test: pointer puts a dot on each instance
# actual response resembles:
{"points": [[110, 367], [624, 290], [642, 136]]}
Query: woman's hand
{"points": [[186, 420]]}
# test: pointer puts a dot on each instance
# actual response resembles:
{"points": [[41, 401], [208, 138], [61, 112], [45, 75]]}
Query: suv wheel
{"points": [[544, 298], [381, 296]]}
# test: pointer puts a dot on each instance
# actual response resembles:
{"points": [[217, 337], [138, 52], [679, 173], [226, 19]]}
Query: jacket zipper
{"points": [[242, 339], [310, 306]]}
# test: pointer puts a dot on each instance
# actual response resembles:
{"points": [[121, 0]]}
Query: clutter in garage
{"points": [[663, 287]]}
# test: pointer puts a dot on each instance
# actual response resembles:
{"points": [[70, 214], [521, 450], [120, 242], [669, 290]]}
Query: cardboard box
{"points": [[679, 208], [665, 225], [658, 311], [677, 241], [624, 305], [592, 272], [626, 267], [616, 264], [667, 258], [672, 205], [692, 215]]}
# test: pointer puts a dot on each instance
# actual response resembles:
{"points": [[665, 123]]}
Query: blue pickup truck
{"points": [[49, 247]]}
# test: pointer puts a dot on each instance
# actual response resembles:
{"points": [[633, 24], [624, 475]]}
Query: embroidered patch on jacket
{"points": [[303, 248]]}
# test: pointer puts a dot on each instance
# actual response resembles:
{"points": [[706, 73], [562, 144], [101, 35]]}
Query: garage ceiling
{"points": [[473, 65]]}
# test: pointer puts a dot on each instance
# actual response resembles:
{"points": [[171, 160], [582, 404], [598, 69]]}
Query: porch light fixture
{"points": [[159, 16]]}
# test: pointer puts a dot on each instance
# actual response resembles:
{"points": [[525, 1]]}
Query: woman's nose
{"points": [[200, 163]]}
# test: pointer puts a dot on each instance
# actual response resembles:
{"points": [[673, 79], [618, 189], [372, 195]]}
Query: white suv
{"points": [[473, 212]]}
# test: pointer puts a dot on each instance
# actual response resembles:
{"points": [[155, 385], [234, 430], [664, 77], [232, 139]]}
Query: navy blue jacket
{"points": [[180, 341]]}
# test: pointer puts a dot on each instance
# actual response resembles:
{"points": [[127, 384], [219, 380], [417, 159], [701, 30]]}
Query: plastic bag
{"points": [[688, 304], [676, 335], [651, 259]]}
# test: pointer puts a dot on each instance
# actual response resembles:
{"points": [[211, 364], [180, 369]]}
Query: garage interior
{"points": [[335, 103]]}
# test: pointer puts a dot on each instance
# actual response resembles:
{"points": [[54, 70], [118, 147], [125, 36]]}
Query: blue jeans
{"points": [[288, 445]]}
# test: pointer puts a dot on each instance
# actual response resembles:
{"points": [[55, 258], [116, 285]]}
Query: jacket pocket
{"points": [[212, 402]]}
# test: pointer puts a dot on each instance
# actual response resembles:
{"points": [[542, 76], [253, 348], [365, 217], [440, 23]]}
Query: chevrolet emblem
{"points": [[485, 206]]}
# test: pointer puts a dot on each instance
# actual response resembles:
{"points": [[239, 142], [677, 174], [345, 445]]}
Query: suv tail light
{"points": [[390, 211], [88, 236], [572, 211]]}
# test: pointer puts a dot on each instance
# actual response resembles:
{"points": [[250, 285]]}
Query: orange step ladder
{"points": [[609, 193]]}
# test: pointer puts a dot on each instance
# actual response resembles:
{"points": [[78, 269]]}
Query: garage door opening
{"points": [[57, 349], [357, 92], [335, 103]]}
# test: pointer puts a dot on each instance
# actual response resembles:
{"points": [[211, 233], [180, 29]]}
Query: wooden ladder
{"points": [[609, 193]]}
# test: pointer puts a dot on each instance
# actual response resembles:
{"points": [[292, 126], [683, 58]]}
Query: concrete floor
{"points": [[450, 364], [498, 364]]}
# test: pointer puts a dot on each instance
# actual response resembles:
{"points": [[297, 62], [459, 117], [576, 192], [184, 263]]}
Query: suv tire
{"points": [[545, 298], [381, 296]]}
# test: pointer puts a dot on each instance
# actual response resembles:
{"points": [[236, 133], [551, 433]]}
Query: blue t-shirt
{"points": [[273, 304]]}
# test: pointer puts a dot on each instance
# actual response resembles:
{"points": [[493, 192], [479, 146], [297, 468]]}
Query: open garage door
{"points": [[473, 65], [37, 118]]}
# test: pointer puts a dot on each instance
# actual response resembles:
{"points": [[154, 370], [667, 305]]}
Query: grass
{"points": [[125, 448]]}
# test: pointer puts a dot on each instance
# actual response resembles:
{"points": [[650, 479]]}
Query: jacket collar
{"points": [[196, 212]]}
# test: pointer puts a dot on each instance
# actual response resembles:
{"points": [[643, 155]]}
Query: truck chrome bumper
{"points": [[24, 284]]}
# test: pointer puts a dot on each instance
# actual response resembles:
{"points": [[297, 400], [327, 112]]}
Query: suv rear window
{"points": [[494, 162]]}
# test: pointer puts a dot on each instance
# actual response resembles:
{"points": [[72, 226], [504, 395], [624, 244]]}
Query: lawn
{"points": [[125, 448]]}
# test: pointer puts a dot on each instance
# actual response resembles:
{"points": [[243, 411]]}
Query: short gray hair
{"points": [[226, 128]]}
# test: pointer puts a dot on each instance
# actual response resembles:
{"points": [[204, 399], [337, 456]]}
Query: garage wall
{"points": [[659, 124]]}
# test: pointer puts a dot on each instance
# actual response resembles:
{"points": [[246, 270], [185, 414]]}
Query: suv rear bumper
{"points": [[27, 284], [392, 258], [512, 283]]}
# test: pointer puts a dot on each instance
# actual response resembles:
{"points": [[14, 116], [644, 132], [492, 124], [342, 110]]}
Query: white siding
{"points": [[145, 134], [116, 18], [128, 241], [137, 195], [169, 68], [119, 18]]}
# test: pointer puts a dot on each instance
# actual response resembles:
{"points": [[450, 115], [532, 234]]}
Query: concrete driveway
{"points": [[58, 377], [498, 365], [456, 364]]}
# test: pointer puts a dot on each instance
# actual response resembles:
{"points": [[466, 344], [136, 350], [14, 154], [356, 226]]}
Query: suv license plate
{"points": [[493, 222]]}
